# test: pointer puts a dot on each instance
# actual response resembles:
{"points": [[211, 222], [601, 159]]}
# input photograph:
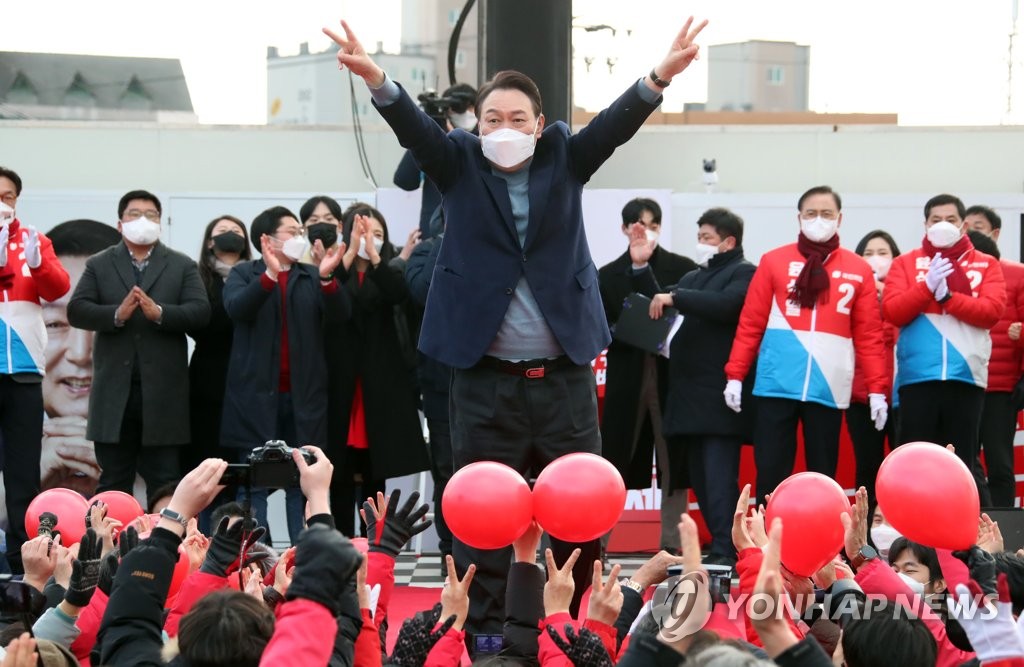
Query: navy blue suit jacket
{"points": [[481, 259]]}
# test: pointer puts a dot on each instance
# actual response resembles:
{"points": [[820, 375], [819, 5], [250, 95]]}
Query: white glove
{"points": [[32, 255], [4, 237], [942, 290], [991, 631], [939, 269], [879, 410], [733, 394]]}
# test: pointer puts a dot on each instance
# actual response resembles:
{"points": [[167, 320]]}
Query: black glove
{"points": [[584, 650], [85, 570], [982, 567], [325, 563], [1017, 397], [415, 639], [222, 558], [398, 525], [127, 540]]}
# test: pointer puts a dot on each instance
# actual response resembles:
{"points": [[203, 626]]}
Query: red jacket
{"points": [[747, 567], [1004, 367], [448, 650], [807, 354], [949, 341], [303, 635], [367, 647], [89, 624], [195, 586]]}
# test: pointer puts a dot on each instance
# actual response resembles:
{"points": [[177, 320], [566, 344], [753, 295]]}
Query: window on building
{"points": [[79, 93], [21, 91], [776, 75], [453, 17], [135, 96]]}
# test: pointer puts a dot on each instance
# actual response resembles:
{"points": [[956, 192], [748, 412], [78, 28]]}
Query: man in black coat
{"points": [[637, 381], [698, 424]]}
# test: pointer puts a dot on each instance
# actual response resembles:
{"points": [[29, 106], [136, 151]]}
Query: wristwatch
{"points": [[629, 583], [168, 513], [866, 553]]}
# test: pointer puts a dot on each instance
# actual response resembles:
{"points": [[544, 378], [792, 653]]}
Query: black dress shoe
{"points": [[719, 559]]}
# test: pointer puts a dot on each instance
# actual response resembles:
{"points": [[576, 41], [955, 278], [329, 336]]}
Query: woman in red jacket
{"points": [[878, 248]]}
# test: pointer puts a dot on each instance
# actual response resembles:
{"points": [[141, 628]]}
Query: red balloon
{"points": [[120, 505], [919, 477], [487, 505], [578, 497], [809, 505], [68, 506]]}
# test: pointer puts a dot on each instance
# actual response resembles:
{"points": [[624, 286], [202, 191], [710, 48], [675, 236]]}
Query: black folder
{"points": [[635, 326]]}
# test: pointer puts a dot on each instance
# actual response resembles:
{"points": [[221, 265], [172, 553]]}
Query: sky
{"points": [[934, 62]]}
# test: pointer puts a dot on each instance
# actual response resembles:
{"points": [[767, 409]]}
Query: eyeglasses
{"points": [[290, 232], [135, 214]]}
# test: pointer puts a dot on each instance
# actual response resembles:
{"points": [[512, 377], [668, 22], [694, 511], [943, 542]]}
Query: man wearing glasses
{"points": [[811, 312], [29, 271], [141, 298]]}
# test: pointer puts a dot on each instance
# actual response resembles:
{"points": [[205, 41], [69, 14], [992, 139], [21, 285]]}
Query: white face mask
{"points": [[377, 243], [915, 585], [880, 265], [704, 253], [819, 230], [652, 236], [883, 536], [141, 231], [464, 121], [6, 214], [295, 247], [507, 147], [943, 234]]}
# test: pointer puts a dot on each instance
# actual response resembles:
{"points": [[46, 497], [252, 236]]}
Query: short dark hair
{"points": [[925, 556], [862, 245], [993, 218], [983, 242], [1012, 566], [942, 200], [267, 223], [162, 491], [725, 222], [11, 174], [510, 79], [138, 194], [888, 636], [634, 208], [462, 96], [82, 238], [820, 190], [311, 204], [231, 509], [225, 628], [206, 254]]}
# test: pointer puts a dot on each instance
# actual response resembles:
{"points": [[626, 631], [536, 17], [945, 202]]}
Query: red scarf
{"points": [[958, 280], [812, 282], [7, 271]]}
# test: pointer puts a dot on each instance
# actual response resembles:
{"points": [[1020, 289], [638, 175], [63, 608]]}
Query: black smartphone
{"points": [[236, 474], [17, 597]]}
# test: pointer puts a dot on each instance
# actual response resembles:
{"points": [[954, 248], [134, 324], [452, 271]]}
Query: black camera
{"points": [[455, 100], [270, 466]]}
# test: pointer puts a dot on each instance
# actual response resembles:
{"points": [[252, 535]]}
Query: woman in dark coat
{"points": [[278, 391], [374, 427], [225, 244]]}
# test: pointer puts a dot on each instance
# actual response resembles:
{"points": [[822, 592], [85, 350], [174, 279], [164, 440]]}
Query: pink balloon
{"points": [[70, 508], [809, 505], [578, 497], [487, 505], [919, 477]]}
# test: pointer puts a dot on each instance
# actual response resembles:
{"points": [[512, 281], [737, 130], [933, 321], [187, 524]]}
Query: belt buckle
{"points": [[534, 373]]}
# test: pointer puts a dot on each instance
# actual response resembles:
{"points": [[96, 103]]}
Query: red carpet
{"points": [[406, 601]]}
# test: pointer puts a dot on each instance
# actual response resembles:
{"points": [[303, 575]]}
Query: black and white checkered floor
{"points": [[425, 570]]}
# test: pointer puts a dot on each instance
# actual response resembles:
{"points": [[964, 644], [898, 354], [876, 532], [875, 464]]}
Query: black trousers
{"points": [[869, 443], [775, 440], [714, 465], [119, 461], [946, 413], [21, 423], [998, 427], [525, 424], [348, 493], [442, 467]]}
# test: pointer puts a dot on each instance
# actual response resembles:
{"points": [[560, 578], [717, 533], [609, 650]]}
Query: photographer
{"points": [[454, 109]]}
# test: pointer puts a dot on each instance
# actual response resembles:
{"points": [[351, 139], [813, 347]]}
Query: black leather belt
{"points": [[532, 369]]}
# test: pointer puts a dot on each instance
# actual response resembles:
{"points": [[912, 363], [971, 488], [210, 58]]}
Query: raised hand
{"points": [[269, 257], [584, 650], [560, 586], [640, 249], [352, 55], [605, 596], [682, 52], [741, 538], [388, 531], [855, 524], [455, 595]]}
